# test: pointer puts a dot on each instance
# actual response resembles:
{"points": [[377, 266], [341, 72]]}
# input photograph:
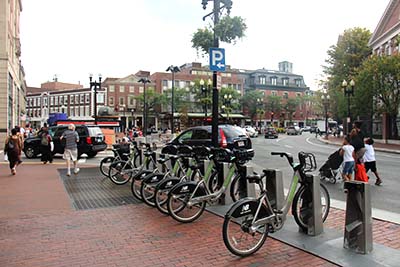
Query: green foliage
{"points": [[202, 40], [152, 99], [343, 62], [379, 77], [249, 101], [228, 30], [290, 106], [274, 104], [181, 97]]}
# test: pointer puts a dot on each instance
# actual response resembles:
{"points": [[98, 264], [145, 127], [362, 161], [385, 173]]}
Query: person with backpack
{"points": [[13, 147], [45, 147]]}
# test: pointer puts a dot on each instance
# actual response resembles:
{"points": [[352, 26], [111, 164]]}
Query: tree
{"points": [[228, 30], [274, 105], [153, 99], [379, 77], [343, 62], [181, 98], [290, 106], [249, 102]]}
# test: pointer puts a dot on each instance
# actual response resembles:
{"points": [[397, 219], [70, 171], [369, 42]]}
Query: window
{"points": [[82, 111], [65, 100], [201, 134], [298, 94], [285, 81], [76, 99], [121, 88], [131, 89], [165, 84], [273, 80], [111, 101], [262, 80], [132, 101], [52, 100], [141, 89], [56, 100], [274, 93], [76, 111], [285, 95], [176, 84], [298, 82], [87, 98], [71, 99], [111, 88], [186, 136], [121, 101], [81, 98]]}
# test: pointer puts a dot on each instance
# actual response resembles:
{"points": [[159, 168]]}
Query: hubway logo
{"points": [[245, 209], [185, 189], [169, 184]]}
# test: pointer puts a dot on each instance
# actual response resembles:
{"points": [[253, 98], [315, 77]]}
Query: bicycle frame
{"points": [[210, 197]]}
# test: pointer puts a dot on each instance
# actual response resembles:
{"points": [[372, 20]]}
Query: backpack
{"points": [[11, 145], [44, 141]]}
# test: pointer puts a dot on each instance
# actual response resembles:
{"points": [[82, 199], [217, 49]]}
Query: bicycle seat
{"points": [[148, 153], [174, 157], [162, 161]]}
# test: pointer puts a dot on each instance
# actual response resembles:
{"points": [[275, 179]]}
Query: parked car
{"points": [[251, 131], [293, 130], [306, 128], [91, 141], [270, 132], [229, 137]]}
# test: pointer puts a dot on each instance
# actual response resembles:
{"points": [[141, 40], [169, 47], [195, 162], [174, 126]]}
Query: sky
{"points": [[75, 38]]}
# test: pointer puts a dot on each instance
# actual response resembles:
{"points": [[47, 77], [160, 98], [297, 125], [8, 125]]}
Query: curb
{"points": [[387, 150]]}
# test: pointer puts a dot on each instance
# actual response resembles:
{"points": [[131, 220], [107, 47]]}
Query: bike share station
{"points": [[351, 247]]}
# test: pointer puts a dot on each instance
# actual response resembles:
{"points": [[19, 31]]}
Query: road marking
{"points": [[288, 146], [308, 141]]}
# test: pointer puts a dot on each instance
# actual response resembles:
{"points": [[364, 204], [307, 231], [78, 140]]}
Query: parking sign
{"points": [[217, 59]]}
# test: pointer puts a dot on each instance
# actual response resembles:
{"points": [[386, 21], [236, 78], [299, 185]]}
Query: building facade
{"points": [[55, 97], [385, 40], [12, 76]]}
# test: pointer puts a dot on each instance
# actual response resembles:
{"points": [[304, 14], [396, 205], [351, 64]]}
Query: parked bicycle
{"points": [[187, 200], [120, 153], [248, 222]]}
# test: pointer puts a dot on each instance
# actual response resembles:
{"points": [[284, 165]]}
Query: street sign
{"points": [[217, 59]]}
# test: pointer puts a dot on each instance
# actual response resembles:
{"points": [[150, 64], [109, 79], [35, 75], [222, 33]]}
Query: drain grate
{"points": [[91, 190]]}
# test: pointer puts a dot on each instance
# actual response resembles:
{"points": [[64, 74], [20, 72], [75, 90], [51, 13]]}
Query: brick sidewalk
{"points": [[42, 229]]}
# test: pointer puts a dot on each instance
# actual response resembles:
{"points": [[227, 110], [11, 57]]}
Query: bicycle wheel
{"points": [[214, 183], [239, 236], [161, 194], [302, 205], [137, 183], [147, 189], [120, 172], [238, 190], [137, 159], [178, 199], [105, 165]]}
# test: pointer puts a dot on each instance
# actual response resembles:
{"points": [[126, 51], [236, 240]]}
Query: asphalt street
{"points": [[384, 197]]}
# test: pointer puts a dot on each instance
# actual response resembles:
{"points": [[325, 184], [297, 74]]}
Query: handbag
{"points": [[361, 174], [51, 146], [5, 157]]}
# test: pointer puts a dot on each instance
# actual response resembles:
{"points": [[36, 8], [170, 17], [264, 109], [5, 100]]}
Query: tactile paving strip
{"points": [[89, 189]]}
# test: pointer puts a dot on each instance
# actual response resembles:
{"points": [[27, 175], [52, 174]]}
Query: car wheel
{"points": [[30, 152]]}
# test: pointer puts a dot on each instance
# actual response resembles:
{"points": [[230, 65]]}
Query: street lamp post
{"points": [[95, 85], [227, 104], [144, 124], [204, 91], [325, 101], [348, 92], [215, 13], [259, 109], [173, 70]]}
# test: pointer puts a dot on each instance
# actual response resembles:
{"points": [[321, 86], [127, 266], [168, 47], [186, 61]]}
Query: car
{"points": [[251, 131], [232, 137], [313, 129], [270, 132], [91, 141], [293, 130], [306, 128]]}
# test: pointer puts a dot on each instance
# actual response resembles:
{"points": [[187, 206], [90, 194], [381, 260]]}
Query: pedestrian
{"points": [[21, 138], [357, 140], [45, 147], [347, 151], [12, 148], [71, 149], [370, 161]]}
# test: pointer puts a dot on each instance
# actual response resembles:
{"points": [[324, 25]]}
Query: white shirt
{"points": [[369, 153], [348, 153]]}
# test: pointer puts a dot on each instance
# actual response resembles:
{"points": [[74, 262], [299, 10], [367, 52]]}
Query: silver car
{"points": [[251, 132]]}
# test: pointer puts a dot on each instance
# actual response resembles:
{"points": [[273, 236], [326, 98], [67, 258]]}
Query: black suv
{"points": [[91, 141], [229, 136]]}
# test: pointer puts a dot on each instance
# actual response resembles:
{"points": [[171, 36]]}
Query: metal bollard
{"points": [[250, 187], [227, 200], [358, 222], [274, 185], [315, 223]]}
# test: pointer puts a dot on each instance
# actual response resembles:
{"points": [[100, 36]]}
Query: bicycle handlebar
{"points": [[287, 155]]}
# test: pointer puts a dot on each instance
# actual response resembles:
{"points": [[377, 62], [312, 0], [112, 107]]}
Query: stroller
{"points": [[330, 170]]}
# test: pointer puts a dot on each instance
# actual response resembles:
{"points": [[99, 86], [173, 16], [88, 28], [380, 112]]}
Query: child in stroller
{"points": [[330, 170]]}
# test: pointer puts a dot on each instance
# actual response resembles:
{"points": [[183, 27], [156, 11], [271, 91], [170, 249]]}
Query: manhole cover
{"points": [[91, 190]]}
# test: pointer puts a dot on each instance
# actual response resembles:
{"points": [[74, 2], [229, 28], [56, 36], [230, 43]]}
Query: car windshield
{"points": [[234, 131]]}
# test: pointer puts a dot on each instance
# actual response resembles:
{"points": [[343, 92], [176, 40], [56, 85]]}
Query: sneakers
{"points": [[68, 173], [13, 171], [378, 182], [76, 171]]}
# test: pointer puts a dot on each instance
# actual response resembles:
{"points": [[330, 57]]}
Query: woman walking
{"points": [[13, 148], [45, 147]]}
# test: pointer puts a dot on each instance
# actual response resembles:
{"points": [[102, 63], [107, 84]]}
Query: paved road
{"points": [[385, 197]]}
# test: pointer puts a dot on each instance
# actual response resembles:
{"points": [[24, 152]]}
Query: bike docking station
{"points": [[313, 202], [274, 186], [358, 220]]}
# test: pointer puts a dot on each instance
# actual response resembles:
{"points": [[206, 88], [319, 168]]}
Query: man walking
{"points": [[71, 149]]}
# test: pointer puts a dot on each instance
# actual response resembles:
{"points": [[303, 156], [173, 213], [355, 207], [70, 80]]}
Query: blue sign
{"points": [[217, 59]]}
